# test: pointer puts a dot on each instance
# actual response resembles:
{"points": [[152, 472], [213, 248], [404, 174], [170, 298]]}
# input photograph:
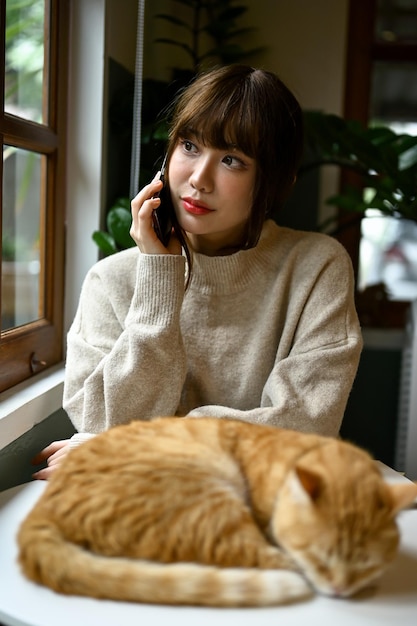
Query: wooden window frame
{"points": [[29, 349], [362, 52]]}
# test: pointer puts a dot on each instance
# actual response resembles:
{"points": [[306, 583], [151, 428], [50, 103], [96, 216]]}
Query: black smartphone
{"points": [[162, 220]]}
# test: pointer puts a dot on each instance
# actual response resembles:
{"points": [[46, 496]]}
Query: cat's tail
{"points": [[47, 558]]}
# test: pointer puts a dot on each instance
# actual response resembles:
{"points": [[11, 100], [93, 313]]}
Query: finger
{"points": [[44, 474], [58, 456], [142, 229], [142, 215], [49, 450], [53, 461], [157, 176], [146, 193]]}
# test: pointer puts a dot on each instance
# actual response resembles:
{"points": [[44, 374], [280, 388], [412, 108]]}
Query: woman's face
{"points": [[212, 193]]}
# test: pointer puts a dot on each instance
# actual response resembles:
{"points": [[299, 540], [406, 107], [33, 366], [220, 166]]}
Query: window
{"points": [[381, 87], [32, 209], [388, 247]]}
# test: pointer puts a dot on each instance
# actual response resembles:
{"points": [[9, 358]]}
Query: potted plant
{"points": [[385, 163]]}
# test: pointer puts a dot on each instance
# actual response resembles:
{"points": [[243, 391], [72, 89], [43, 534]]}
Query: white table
{"points": [[23, 603]]}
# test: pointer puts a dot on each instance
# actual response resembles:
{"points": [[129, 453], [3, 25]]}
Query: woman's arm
{"points": [[125, 358], [305, 392]]}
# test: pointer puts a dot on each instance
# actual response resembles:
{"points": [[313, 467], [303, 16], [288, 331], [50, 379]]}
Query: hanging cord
{"points": [[137, 104]]}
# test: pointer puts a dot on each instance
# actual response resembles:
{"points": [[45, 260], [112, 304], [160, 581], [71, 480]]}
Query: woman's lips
{"points": [[195, 207]]}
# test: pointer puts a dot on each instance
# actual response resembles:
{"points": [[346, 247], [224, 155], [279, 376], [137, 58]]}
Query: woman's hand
{"points": [[53, 455], [142, 231]]}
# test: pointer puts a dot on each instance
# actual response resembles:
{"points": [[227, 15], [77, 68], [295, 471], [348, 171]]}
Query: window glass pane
{"points": [[396, 21], [24, 74], [388, 248], [21, 241], [394, 94], [388, 254]]}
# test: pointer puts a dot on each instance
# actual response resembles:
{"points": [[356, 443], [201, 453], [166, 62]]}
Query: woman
{"points": [[254, 322]]}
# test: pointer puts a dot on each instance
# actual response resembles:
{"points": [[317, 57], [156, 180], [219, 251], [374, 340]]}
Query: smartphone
{"points": [[162, 221]]}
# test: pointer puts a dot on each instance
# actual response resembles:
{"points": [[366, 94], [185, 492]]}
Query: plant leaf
{"points": [[172, 42], [380, 135], [118, 223], [122, 202], [408, 158], [104, 241], [173, 20]]}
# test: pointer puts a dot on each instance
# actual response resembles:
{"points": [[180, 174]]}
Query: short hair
{"points": [[254, 110]]}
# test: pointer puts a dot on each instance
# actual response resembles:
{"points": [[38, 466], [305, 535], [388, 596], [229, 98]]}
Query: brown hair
{"points": [[254, 110]]}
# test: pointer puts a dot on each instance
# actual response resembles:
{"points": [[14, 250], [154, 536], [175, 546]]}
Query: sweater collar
{"points": [[235, 272]]}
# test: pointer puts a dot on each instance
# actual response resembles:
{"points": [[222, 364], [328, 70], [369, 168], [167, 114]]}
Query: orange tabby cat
{"points": [[212, 512]]}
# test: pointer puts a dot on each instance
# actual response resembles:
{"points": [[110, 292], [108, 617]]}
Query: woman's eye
{"points": [[233, 161], [188, 145]]}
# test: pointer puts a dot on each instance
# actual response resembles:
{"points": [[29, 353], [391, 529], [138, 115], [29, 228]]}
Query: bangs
{"points": [[220, 122]]}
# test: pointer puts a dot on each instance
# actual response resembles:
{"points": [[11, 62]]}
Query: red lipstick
{"points": [[195, 206]]}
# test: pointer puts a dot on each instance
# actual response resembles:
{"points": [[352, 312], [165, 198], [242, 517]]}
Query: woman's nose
{"points": [[202, 175]]}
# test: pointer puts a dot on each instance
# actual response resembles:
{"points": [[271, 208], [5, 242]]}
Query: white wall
{"points": [[99, 29], [84, 144], [305, 43]]}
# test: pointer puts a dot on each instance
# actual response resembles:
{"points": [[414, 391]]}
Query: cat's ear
{"points": [[402, 495], [311, 483]]}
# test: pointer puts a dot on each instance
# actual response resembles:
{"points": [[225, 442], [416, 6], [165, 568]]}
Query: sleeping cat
{"points": [[212, 512]]}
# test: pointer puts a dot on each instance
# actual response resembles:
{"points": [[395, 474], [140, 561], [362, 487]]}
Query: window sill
{"points": [[29, 403]]}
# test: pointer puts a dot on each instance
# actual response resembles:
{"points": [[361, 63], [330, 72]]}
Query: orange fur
{"points": [[212, 512]]}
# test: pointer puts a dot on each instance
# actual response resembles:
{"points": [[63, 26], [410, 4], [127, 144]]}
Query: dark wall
{"points": [[15, 459], [371, 415]]}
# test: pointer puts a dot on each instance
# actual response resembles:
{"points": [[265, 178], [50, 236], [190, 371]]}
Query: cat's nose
{"points": [[338, 592], [334, 591], [342, 584]]}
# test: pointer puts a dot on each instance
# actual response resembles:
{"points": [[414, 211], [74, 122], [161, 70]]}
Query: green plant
{"points": [[24, 55], [118, 223], [385, 162], [216, 20]]}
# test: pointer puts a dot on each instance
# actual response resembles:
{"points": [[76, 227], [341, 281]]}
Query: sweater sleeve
{"points": [[317, 356], [125, 344]]}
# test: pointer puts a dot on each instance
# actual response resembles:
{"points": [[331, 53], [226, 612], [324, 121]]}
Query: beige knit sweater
{"points": [[267, 335]]}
